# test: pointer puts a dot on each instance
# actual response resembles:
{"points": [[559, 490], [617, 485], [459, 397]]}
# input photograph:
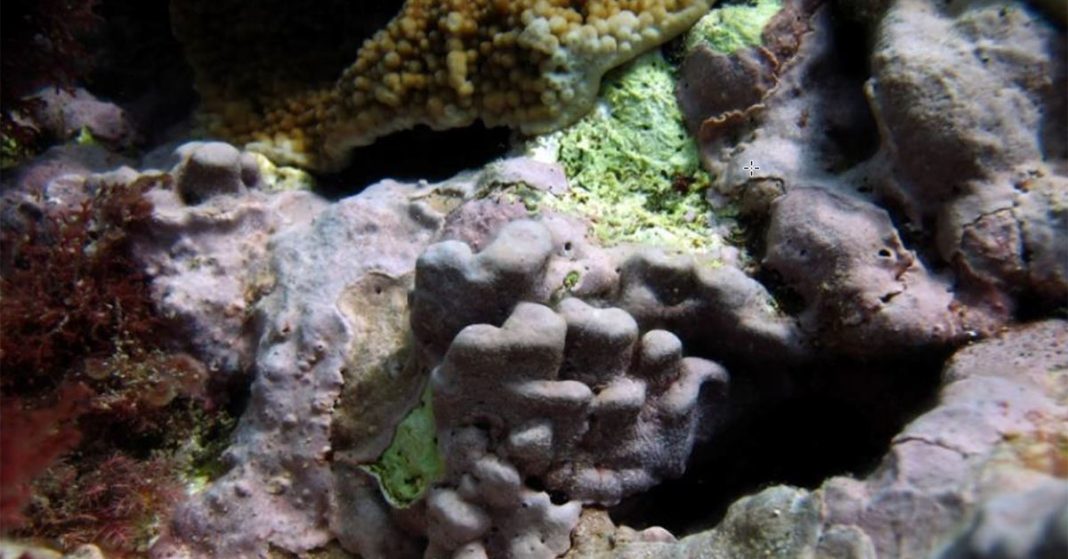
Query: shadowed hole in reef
{"points": [[138, 63], [419, 153], [797, 428]]}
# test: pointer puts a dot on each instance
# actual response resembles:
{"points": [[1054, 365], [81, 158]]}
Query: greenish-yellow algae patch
{"points": [[729, 28], [278, 178], [411, 463], [633, 169]]}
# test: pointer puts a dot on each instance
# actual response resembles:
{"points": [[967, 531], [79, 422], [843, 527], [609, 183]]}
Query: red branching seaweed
{"points": [[73, 290], [114, 504], [77, 311], [30, 441]]}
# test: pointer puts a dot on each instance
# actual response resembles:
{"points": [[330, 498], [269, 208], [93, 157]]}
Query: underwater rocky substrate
{"points": [[797, 426], [794, 287]]}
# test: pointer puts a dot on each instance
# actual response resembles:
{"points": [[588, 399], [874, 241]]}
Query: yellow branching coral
{"points": [[534, 65]]}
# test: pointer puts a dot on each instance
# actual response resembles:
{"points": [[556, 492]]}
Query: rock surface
{"points": [[462, 370], [959, 481], [279, 487]]}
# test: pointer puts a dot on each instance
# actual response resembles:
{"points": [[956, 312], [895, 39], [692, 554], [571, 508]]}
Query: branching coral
{"points": [[588, 407], [601, 416], [534, 65]]}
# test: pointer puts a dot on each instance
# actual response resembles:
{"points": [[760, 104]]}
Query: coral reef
{"points": [[909, 141], [534, 66], [594, 433], [956, 465], [855, 208], [453, 288], [864, 292], [133, 412], [291, 285]]}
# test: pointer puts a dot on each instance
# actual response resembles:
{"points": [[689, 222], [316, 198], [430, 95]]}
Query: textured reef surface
{"points": [[775, 278]]}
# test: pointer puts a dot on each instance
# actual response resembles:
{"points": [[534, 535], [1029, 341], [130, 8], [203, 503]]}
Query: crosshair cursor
{"points": [[751, 167]]}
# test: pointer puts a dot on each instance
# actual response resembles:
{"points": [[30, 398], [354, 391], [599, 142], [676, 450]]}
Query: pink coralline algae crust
{"points": [[864, 292], [589, 405]]}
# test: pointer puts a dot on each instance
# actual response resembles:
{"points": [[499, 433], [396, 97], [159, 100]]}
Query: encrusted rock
{"points": [[995, 430], [585, 405], [864, 292], [983, 474], [304, 334], [210, 169], [961, 95], [1032, 523], [78, 114], [780, 522], [973, 124]]}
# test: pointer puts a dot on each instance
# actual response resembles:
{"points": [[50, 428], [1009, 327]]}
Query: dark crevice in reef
{"points": [[1032, 307], [139, 64], [419, 153], [234, 392], [788, 300], [796, 427], [849, 134]]}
